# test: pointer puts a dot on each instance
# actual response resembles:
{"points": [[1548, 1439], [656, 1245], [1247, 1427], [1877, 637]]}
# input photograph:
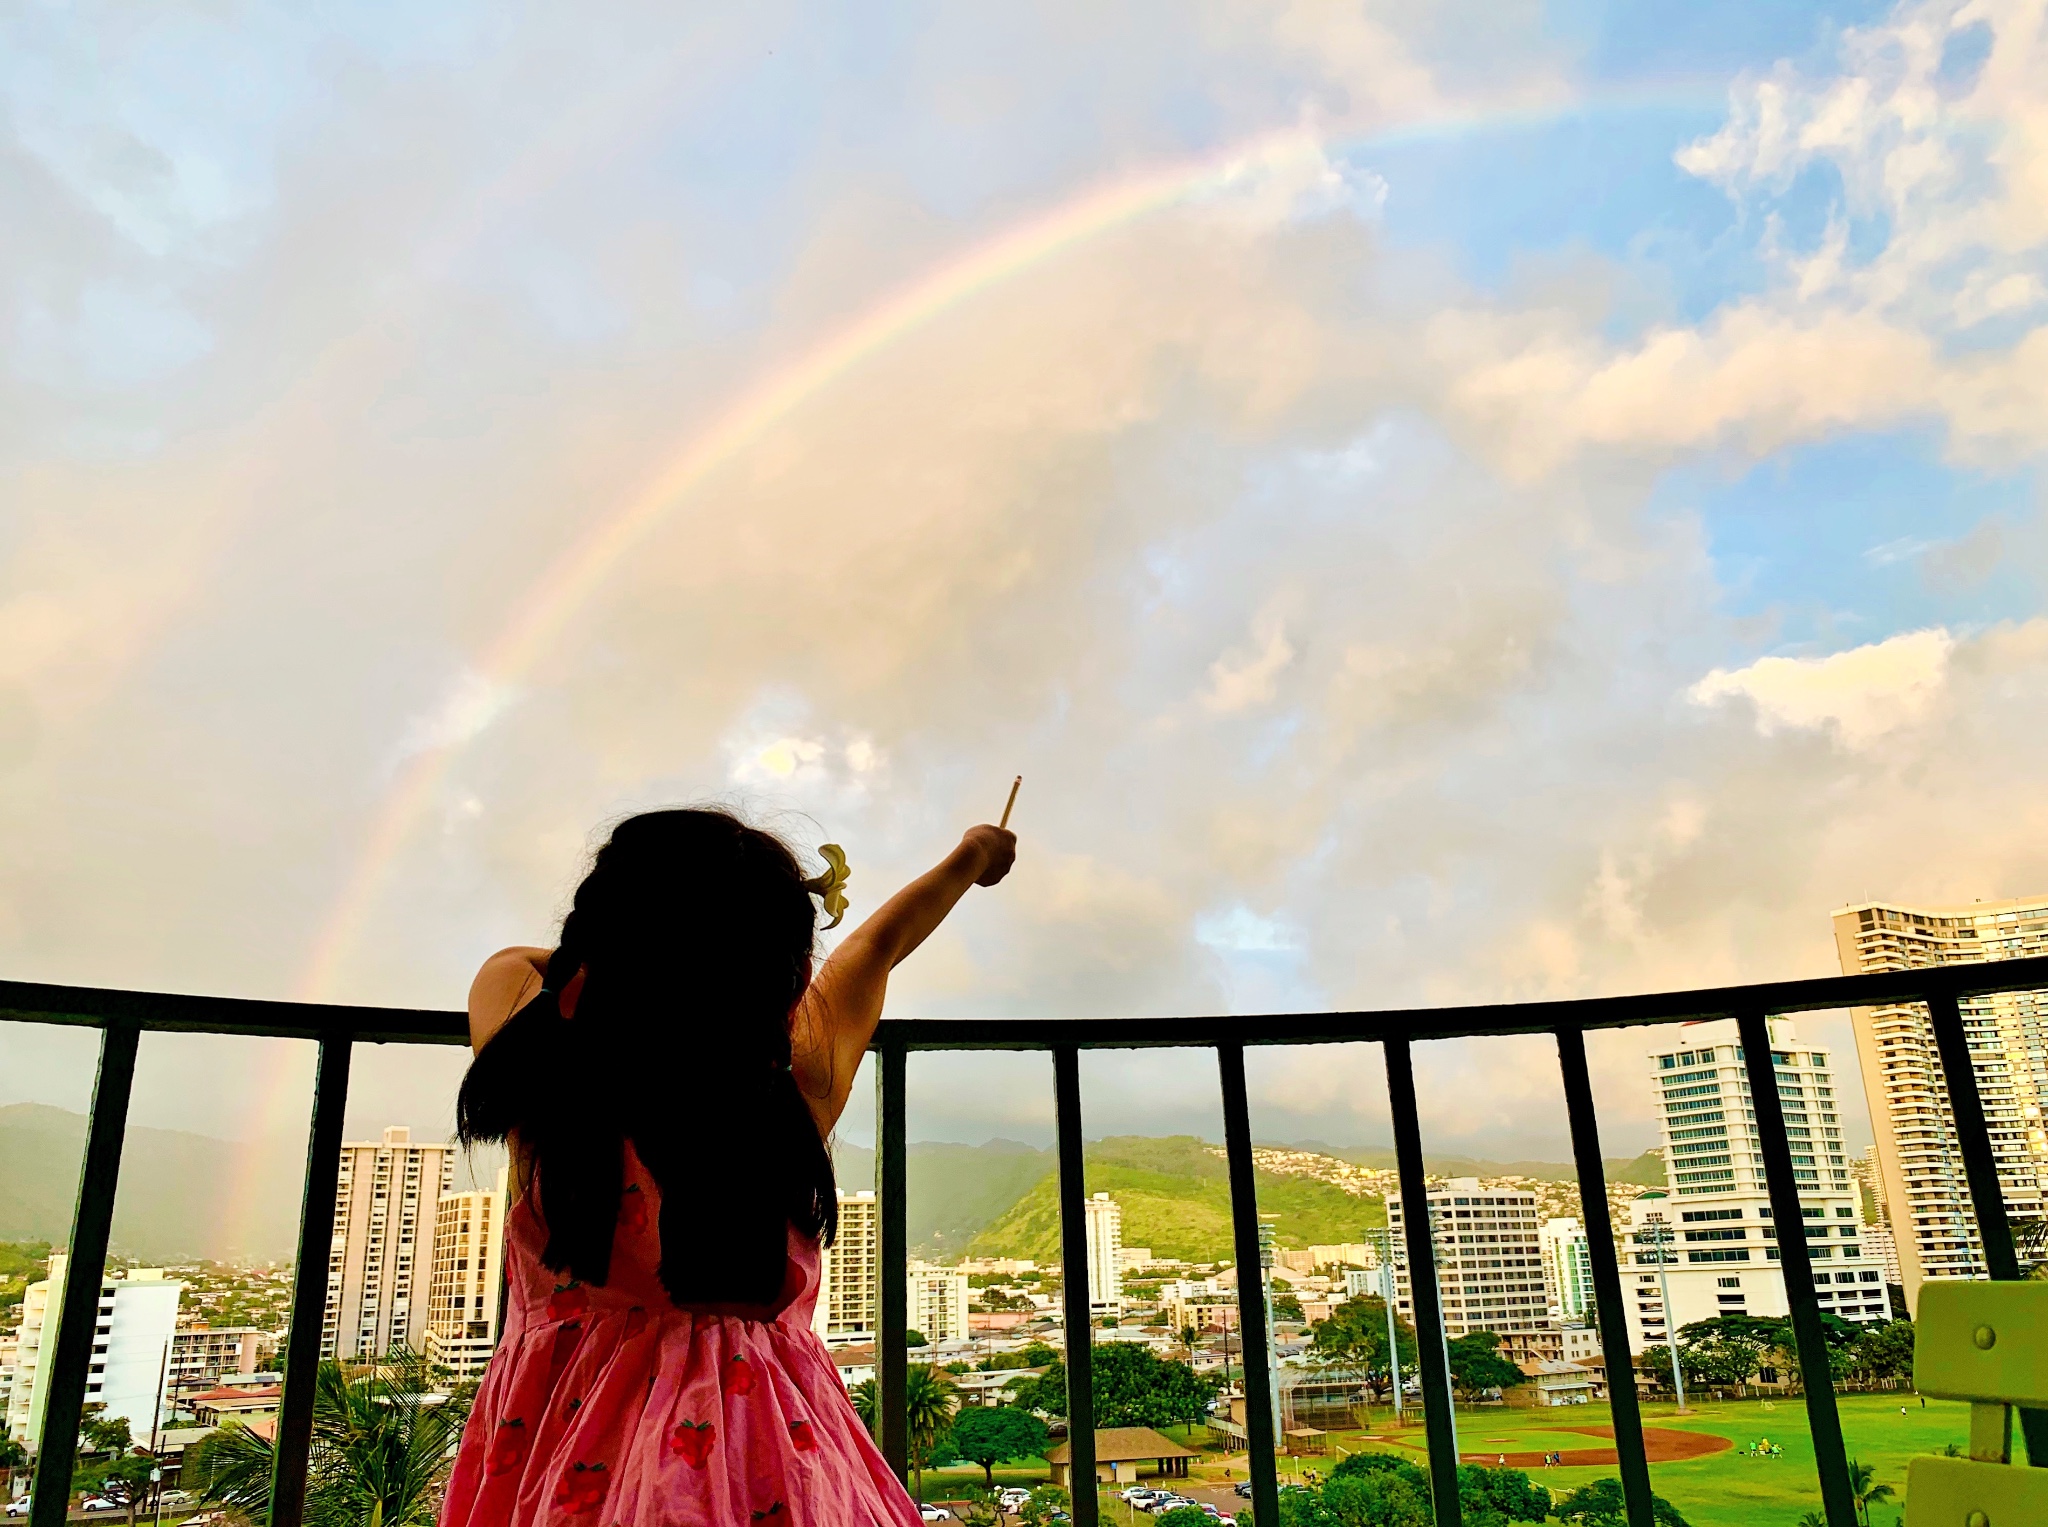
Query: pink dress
{"points": [[614, 1406]]}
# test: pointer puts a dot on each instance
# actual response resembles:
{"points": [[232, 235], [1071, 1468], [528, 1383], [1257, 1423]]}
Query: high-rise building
{"points": [[1567, 1268], [1105, 1222], [463, 1316], [131, 1350], [1919, 1168], [848, 1274], [1489, 1267], [1710, 1234], [938, 1302], [386, 1202]]}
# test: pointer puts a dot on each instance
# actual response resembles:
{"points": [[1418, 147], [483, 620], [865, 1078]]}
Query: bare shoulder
{"points": [[508, 980]]}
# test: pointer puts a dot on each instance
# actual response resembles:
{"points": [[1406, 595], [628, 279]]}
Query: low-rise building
{"points": [[202, 1354]]}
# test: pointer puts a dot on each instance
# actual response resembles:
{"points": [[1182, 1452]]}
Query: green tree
{"points": [[867, 1404], [1727, 1350], [989, 1435], [124, 1480], [1355, 1337], [1477, 1366], [978, 1508], [928, 1401], [12, 1456], [1494, 1497], [1864, 1489], [1038, 1509], [1037, 1354], [1812, 1519], [1601, 1504], [101, 1433], [1182, 1516], [1134, 1386], [1884, 1351], [915, 1339], [380, 1451]]}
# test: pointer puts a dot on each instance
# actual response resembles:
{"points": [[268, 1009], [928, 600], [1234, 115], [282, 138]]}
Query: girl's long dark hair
{"points": [[694, 932]]}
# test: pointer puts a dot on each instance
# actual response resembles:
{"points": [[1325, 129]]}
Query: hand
{"points": [[995, 847]]}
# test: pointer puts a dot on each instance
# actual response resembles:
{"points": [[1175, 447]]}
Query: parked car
{"points": [[177, 1498], [18, 1507], [933, 1513], [1243, 1489]]}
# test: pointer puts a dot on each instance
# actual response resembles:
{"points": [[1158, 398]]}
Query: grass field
{"points": [[1724, 1489]]}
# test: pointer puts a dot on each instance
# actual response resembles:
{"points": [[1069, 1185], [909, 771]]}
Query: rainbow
{"points": [[569, 583]]}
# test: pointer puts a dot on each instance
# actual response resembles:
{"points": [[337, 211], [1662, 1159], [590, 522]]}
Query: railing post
{"points": [[1259, 1420], [64, 1369], [1607, 1290], [1430, 1357], [294, 1438], [1066, 1088], [1980, 1170], [1815, 1370], [892, 1283]]}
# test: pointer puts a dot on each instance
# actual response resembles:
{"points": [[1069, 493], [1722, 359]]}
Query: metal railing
{"points": [[121, 1016]]}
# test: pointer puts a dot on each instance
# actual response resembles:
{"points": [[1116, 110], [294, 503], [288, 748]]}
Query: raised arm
{"points": [[837, 1017]]}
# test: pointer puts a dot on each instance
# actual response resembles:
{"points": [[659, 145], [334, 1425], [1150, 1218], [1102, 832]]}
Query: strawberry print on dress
{"points": [[683, 1418]]}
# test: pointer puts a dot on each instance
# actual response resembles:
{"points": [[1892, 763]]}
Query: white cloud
{"points": [[1240, 680], [1862, 694], [473, 703]]}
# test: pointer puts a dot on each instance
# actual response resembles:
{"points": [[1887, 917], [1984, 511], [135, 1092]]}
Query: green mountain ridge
{"points": [[185, 1195], [1175, 1197]]}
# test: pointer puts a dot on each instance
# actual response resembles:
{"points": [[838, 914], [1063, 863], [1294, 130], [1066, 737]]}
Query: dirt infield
{"points": [[1660, 1443]]}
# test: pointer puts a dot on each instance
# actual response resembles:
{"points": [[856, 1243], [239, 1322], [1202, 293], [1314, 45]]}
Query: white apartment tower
{"points": [[131, 1350], [848, 1274], [1710, 1233], [938, 1302], [463, 1317], [386, 1203], [1489, 1267], [1567, 1268], [1105, 1221], [1920, 1170]]}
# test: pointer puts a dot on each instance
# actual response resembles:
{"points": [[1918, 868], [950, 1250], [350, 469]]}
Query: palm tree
{"points": [[381, 1448], [928, 1398], [867, 1404], [1863, 1491], [1812, 1519]]}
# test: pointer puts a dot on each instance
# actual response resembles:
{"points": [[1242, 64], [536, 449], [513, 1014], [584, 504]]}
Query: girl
{"points": [[667, 1078]]}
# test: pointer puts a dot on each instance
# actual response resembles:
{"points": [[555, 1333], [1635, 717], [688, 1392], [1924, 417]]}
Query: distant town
{"points": [[416, 1265]]}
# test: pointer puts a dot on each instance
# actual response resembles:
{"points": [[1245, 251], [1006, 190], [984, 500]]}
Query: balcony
{"points": [[121, 1016]]}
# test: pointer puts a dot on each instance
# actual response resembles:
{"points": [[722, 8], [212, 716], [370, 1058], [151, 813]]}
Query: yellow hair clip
{"points": [[830, 887]]}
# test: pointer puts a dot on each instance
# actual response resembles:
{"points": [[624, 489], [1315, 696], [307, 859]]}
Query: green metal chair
{"points": [[1986, 1343]]}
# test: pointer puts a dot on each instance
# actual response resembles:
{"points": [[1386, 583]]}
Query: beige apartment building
{"points": [[848, 1274], [386, 1204], [1925, 1201], [468, 1276], [1489, 1268]]}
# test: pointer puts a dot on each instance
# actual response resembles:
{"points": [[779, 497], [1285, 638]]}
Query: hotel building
{"points": [[1710, 1233], [1920, 1171], [386, 1204], [1105, 1221]]}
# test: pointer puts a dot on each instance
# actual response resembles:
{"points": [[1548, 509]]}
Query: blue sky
{"points": [[1558, 515]]}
